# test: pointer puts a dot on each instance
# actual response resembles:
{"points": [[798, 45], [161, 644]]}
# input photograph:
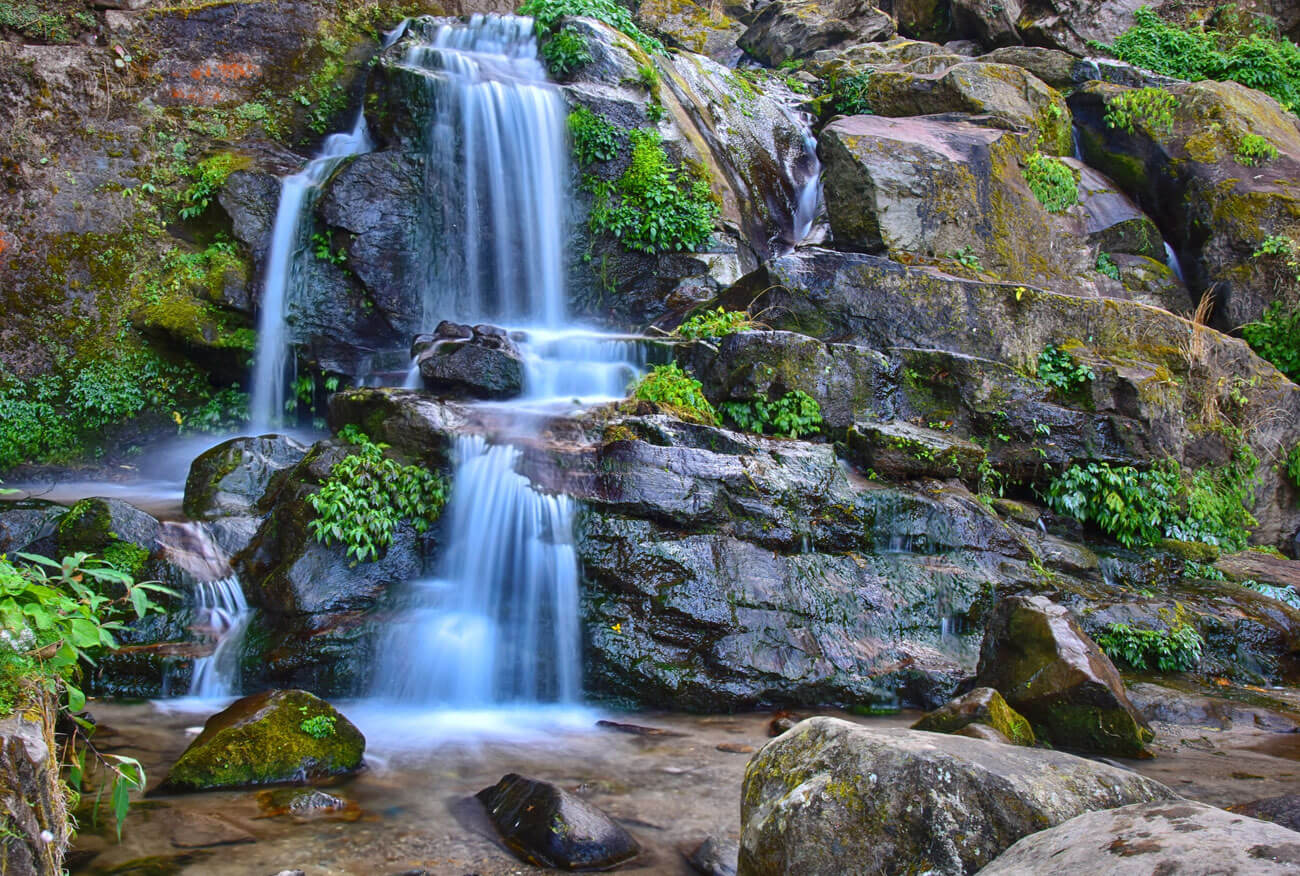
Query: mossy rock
{"points": [[262, 740], [100, 526], [985, 706]]}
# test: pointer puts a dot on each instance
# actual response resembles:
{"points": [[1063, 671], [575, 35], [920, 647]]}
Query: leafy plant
{"points": [[648, 77], [1057, 368], [653, 207], [967, 258], [1256, 59], [1287, 595], [791, 416], [655, 112], [367, 495], [1054, 183], [547, 13], [323, 249], [1106, 265], [1130, 505], [1152, 108], [715, 324], [1176, 650], [318, 726], [1276, 337], [849, 95], [594, 139], [209, 176], [1291, 465], [669, 385], [566, 51], [1253, 150]]}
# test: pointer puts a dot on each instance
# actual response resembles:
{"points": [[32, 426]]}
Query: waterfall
{"points": [[222, 613], [499, 623]]}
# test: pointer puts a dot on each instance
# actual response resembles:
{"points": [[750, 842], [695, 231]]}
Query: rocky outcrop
{"points": [[792, 29], [33, 809], [1158, 837], [478, 362], [983, 706], [899, 451], [833, 797], [703, 28], [547, 826], [273, 737], [1044, 665], [229, 480]]}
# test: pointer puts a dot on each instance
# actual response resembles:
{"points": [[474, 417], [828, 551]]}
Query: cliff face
{"points": [[33, 808]]}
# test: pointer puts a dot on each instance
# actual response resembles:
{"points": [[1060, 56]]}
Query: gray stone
{"points": [[901, 451], [487, 365], [715, 857], [787, 29], [229, 480], [32, 800]]}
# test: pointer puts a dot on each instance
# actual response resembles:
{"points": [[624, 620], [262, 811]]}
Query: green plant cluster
{"points": [[46, 21], [715, 324], [318, 726], [323, 248], [1291, 465], [566, 51], [547, 14], [209, 175], [367, 495], [672, 387], [967, 258], [1286, 595], [654, 206], [1253, 150], [1276, 337], [1106, 265], [1054, 183], [594, 139], [1059, 369], [1152, 108], [849, 95], [1257, 59], [1176, 650], [793, 415]]}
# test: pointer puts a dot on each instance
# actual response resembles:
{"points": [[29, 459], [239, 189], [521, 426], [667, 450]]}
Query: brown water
{"points": [[413, 807]]}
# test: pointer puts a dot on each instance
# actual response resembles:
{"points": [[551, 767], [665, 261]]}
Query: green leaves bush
{"points": [[1276, 337], [793, 415], [669, 385], [715, 324], [1291, 465], [1152, 108], [1258, 59], [849, 95], [1057, 368], [594, 139], [1106, 265], [318, 726], [547, 14], [1176, 650], [1054, 183], [209, 176], [566, 51], [367, 495]]}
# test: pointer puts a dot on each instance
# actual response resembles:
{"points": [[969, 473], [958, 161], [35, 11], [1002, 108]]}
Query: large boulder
{"points": [[96, 525], [830, 796], [793, 29], [900, 451], [268, 738], [1048, 669], [985, 706], [704, 28], [1165, 836], [478, 362], [25, 521], [549, 827], [230, 479]]}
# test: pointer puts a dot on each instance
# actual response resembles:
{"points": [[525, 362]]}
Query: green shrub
{"points": [[1258, 60], [1106, 265], [669, 385], [367, 495], [1253, 150], [566, 51], [1276, 337], [1057, 368], [849, 95], [791, 416], [209, 176], [1291, 465], [1177, 650], [1152, 108], [547, 14], [653, 207], [318, 726], [715, 324], [1287, 595], [594, 139], [1053, 182]]}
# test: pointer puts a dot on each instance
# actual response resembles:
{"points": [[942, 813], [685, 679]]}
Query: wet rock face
{"points": [[1044, 665], [982, 706], [900, 451], [31, 791], [834, 797], [792, 29], [230, 479], [547, 826], [1167, 836], [276, 736], [459, 361]]}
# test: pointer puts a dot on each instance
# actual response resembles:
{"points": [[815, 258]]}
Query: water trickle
{"points": [[1171, 259], [221, 614], [499, 623]]}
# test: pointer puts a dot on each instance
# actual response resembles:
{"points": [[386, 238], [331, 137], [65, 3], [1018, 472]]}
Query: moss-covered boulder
{"points": [[792, 29], [829, 796], [268, 738], [1047, 668], [231, 478], [983, 706], [704, 28], [901, 451]]}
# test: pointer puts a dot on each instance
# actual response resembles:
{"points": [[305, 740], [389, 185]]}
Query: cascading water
{"points": [[222, 614]]}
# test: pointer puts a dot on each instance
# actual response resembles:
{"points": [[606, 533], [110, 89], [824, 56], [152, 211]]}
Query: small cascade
{"points": [[806, 176], [221, 614], [579, 365], [499, 623], [1076, 142], [1171, 259], [190, 547]]}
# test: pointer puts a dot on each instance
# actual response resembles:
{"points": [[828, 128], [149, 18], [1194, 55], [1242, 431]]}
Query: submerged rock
{"points": [[1282, 810], [231, 478], [984, 707], [715, 857], [1167, 836], [830, 796], [479, 362], [1048, 669], [271, 737], [549, 827]]}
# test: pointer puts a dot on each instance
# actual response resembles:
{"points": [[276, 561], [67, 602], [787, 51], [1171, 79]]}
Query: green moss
{"points": [[126, 557], [86, 527]]}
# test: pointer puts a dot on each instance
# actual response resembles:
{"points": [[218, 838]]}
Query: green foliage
{"points": [[1256, 59], [655, 112], [1053, 182], [323, 248], [1253, 150], [1286, 595], [849, 95], [367, 495], [715, 324], [1176, 650], [791, 416], [1152, 108], [547, 13], [1106, 265], [594, 139], [1291, 465], [209, 176], [1057, 368], [648, 76], [653, 207], [566, 51], [670, 385], [967, 258], [319, 726], [1276, 337]]}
